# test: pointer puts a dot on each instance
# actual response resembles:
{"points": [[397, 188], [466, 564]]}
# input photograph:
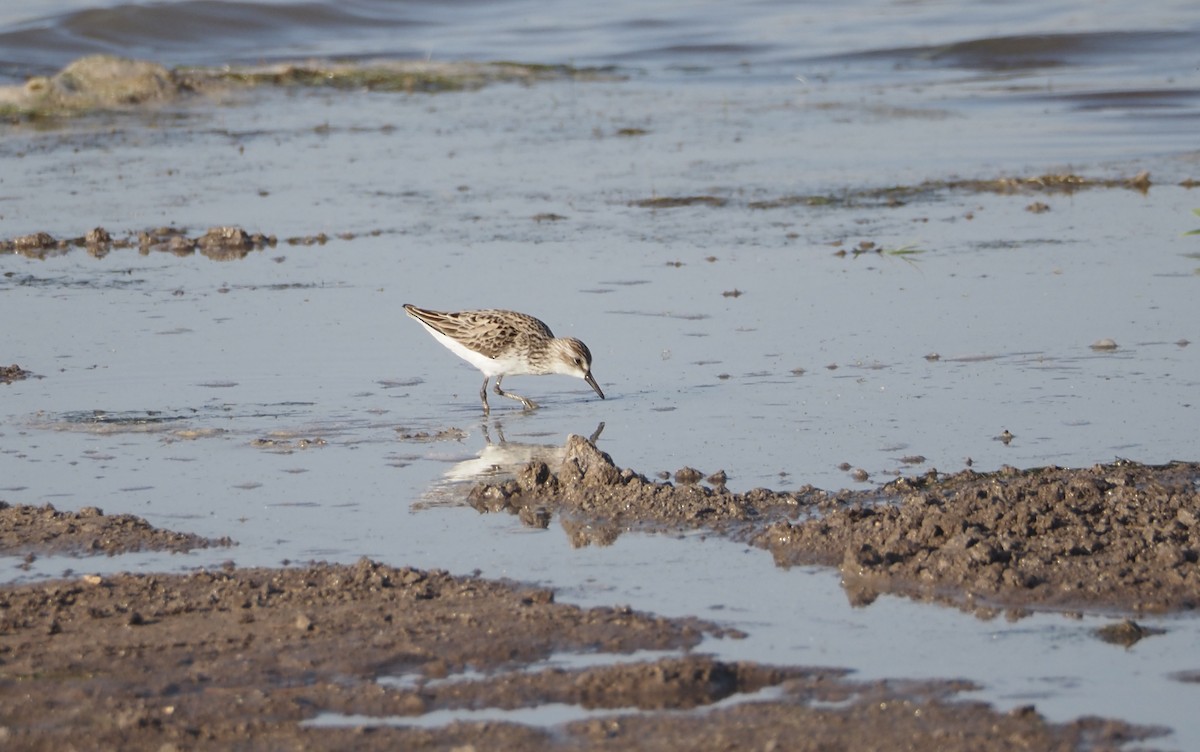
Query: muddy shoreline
{"points": [[275, 657], [1119, 538], [251, 657]]}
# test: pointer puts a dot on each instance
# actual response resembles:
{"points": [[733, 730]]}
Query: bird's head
{"points": [[572, 358]]}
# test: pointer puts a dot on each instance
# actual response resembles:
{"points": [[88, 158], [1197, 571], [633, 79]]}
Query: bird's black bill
{"points": [[592, 383]]}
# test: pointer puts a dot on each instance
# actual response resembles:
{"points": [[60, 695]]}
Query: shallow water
{"points": [[279, 399]]}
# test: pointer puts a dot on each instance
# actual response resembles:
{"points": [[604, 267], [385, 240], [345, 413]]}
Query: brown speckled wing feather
{"points": [[489, 331]]}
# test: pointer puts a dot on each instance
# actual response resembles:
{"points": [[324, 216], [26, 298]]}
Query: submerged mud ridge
{"points": [[1065, 184], [31, 530], [1120, 537], [217, 243], [247, 658], [223, 243]]}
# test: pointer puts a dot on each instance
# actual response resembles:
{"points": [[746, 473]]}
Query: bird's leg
{"points": [[529, 404], [483, 394]]}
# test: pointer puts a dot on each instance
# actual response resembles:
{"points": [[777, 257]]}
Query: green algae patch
{"points": [[789, 201], [1050, 184], [897, 195], [672, 202], [405, 76], [100, 83]]}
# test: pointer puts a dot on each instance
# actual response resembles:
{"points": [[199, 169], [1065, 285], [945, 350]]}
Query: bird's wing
{"points": [[489, 331]]}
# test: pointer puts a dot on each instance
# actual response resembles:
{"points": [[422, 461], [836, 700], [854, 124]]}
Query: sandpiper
{"points": [[507, 343]]}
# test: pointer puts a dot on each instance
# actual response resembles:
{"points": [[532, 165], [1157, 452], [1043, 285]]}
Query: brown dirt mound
{"points": [[1123, 536], [34, 530]]}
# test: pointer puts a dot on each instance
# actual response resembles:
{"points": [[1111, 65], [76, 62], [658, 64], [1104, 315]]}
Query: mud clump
{"points": [[98, 242], [33, 530], [591, 490], [1122, 536], [1126, 633], [226, 243], [35, 244], [218, 243], [11, 373]]}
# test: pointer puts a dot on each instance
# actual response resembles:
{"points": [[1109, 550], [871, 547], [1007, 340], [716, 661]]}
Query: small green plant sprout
{"points": [[1197, 230], [904, 250]]}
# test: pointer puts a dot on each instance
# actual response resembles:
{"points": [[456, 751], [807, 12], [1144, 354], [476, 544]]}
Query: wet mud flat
{"points": [[259, 657], [252, 657]]}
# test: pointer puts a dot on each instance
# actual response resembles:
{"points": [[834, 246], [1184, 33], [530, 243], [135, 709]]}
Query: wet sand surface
{"points": [[301, 657]]}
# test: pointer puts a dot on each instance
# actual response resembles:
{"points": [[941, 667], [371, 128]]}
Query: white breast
{"points": [[489, 366]]}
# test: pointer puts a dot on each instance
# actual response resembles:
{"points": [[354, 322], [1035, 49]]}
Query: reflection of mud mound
{"points": [[497, 462], [1123, 536], [583, 533], [604, 499]]}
